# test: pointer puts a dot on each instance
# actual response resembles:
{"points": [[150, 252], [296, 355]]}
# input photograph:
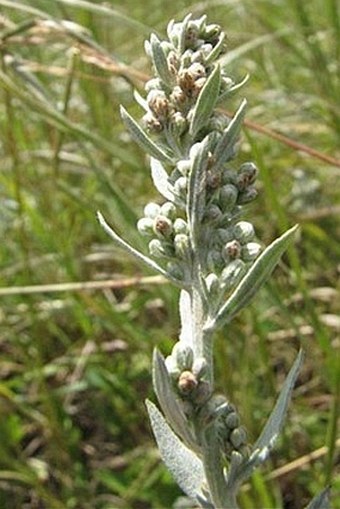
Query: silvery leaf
{"points": [[140, 100], [159, 60], [234, 88], [184, 465], [217, 49], [225, 146], [196, 191], [160, 179], [140, 136], [254, 279], [182, 34], [137, 254], [274, 424], [321, 501], [205, 102], [167, 399]]}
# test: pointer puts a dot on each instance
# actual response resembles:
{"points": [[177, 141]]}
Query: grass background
{"points": [[75, 359]]}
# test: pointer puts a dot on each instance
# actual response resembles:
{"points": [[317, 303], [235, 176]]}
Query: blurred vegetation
{"points": [[75, 359]]}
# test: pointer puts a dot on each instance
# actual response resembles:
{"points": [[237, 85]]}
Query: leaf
{"points": [[205, 102], [233, 89], [167, 399], [254, 279], [159, 60], [140, 136], [225, 146], [184, 465], [137, 254], [321, 501], [216, 50], [160, 179], [140, 100], [182, 33], [196, 191], [274, 424]]}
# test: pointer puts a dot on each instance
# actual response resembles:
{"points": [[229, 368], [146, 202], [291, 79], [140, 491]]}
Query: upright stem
{"points": [[212, 458]]}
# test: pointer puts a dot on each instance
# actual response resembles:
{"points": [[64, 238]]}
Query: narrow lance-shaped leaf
{"points": [[161, 179], [321, 501], [137, 254], [233, 89], [254, 279], [225, 146], [168, 402], [274, 424], [182, 33], [196, 191], [217, 49], [185, 466], [140, 136], [206, 102], [159, 60]]}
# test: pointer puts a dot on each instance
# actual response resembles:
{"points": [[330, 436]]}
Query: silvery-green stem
{"points": [[221, 497]]}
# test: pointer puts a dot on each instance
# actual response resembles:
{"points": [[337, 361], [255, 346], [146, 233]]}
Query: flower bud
{"points": [[231, 250], [236, 458], [238, 437], [247, 196], [213, 283], [180, 187], [152, 210], [214, 260], [168, 209], [153, 84], [173, 62], [228, 197], [224, 235], [152, 123], [184, 356], [182, 246], [191, 35], [250, 251], [232, 274], [184, 166], [246, 175], [213, 179], [212, 213], [202, 393], [197, 70], [232, 420], [187, 382], [229, 177], [178, 123], [244, 232], [145, 226], [162, 226], [212, 31], [180, 226], [178, 98], [160, 249], [158, 104]]}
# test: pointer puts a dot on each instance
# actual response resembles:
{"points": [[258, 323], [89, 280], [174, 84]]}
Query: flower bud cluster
{"points": [[182, 66], [188, 375], [232, 435], [168, 234]]}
